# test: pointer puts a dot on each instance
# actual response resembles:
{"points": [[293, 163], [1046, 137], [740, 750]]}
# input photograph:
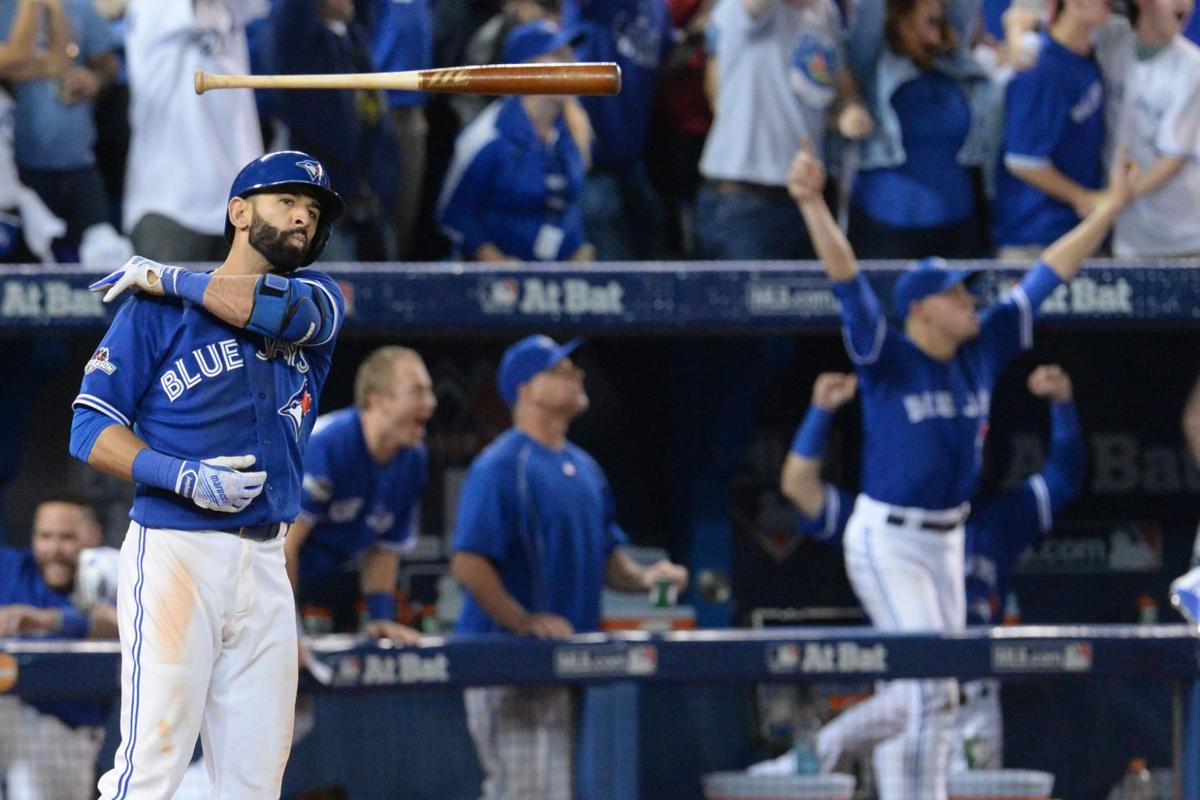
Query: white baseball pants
{"points": [[909, 578], [208, 647], [525, 738]]}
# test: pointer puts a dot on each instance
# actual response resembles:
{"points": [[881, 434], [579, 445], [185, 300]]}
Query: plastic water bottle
{"points": [[805, 749], [1136, 785]]}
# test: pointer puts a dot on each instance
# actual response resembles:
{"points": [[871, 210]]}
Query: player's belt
{"points": [[933, 525], [259, 533]]}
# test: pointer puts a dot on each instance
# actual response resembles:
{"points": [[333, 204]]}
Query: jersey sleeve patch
{"points": [[100, 361]]}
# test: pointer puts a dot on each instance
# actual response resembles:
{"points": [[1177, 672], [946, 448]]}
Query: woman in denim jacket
{"points": [[919, 191]]}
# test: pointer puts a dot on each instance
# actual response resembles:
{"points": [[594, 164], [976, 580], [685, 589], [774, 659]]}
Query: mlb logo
{"points": [[500, 295], [782, 658], [643, 660]]}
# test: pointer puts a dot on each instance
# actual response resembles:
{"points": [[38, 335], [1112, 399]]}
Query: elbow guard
{"points": [[289, 310]]}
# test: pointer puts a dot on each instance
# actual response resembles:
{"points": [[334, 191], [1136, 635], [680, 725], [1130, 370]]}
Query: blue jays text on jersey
{"points": [[924, 420], [192, 387], [353, 502]]}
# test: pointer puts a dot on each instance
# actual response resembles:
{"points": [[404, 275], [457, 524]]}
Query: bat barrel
{"points": [[504, 79]]}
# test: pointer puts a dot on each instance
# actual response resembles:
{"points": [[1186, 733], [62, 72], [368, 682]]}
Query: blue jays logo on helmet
{"points": [[291, 170], [313, 168]]}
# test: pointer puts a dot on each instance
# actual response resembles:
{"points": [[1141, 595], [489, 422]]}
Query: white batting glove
{"points": [[219, 484], [138, 273]]}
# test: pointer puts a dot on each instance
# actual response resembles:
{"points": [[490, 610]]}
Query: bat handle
{"points": [[199, 81]]}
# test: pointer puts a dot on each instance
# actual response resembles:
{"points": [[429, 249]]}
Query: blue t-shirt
{"points": [[546, 521], [509, 187], [636, 34], [999, 527], [930, 188], [50, 134], [923, 419], [1054, 116], [21, 583], [353, 502], [402, 39], [193, 387]]}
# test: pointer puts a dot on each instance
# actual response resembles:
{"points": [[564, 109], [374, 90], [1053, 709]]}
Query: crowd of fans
{"points": [[961, 128]]}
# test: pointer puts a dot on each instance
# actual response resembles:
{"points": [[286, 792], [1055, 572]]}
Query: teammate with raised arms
{"points": [[926, 389], [203, 393], [999, 528]]}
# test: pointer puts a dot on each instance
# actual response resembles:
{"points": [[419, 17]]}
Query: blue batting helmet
{"points": [[290, 170]]}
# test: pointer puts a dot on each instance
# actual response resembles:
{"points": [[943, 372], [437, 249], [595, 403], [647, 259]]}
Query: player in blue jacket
{"points": [[513, 188], [536, 540], [926, 391], [203, 393], [999, 528], [364, 471], [63, 587]]}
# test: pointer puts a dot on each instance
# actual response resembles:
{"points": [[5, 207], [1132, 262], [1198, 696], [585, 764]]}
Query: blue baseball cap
{"points": [[925, 277], [525, 359], [535, 39]]}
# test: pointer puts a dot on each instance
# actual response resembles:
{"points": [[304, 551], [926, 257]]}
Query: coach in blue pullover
{"points": [[512, 191]]}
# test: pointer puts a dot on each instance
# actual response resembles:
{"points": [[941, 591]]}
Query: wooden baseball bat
{"points": [[499, 79]]}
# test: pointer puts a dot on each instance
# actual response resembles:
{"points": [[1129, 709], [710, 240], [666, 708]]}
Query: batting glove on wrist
{"points": [[137, 273], [219, 484]]}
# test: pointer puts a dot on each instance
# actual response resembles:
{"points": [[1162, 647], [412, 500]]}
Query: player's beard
{"points": [[275, 246]]}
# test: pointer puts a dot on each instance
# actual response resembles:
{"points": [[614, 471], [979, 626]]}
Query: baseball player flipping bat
{"points": [[496, 79]]}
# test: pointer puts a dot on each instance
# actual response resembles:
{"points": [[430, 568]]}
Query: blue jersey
{"points": [[930, 188], [924, 419], [637, 35], [546, 521], [1054, 117], [508, 187], [353, 502], [999, 527], [402, 39], [21, 583], [193, 387]]}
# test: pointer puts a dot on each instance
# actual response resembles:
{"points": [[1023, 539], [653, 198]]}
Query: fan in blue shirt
{"points": [[513, 188], [364, 471], [1051, 171]]}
